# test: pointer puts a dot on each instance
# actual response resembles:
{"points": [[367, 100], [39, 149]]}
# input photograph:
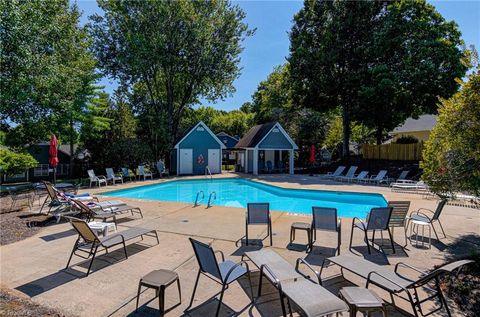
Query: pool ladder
{"points": [[196, 198], [210, 201], [208, 172]]}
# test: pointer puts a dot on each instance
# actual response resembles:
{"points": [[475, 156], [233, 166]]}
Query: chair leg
{"points": [[284, 311], [179, 290], [220, 300], [270, 233], [251, 285], [124, 249], [161, 301], [351, 238], [246, 234], [391, 239], [93, 258], [138, 294], [405, 234], [434, 231], [441, 227], [71, 254], [194, 290], [366, 240]]}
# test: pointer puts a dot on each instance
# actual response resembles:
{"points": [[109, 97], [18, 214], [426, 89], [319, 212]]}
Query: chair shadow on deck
{"points": [[64, 276], [58, 235]]}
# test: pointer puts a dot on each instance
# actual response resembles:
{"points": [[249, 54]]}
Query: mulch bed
{"points": [[13, 304], [18, 224]]}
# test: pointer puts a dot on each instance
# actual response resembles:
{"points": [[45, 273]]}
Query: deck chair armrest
{"points": [[221, 253], [276, 281], [356, 218], [425, 209], [303, 261], [101, 177], [236, 265], [369, 280], [402, 264], [418, 212]]}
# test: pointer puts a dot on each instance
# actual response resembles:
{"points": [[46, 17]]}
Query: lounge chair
{"points": [[91, 214], [377, 219], [61, 199], [142, 172], [434, 216], [96, 179], [108, 208], [402, 178], [161, 169], [112, 177], [88, 242], [311, 298], [325, 219], [331, 175], [409, 186], [224, 273], [396, 283], [399, 216], [350, 174], [258, 214], [362, 177], [381, 177], [126, 173]]}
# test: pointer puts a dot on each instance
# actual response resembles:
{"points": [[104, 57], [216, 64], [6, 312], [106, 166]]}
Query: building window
{"points": [[40, 170]]}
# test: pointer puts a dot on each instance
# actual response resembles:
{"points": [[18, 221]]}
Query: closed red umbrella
{"points": [[53, 153], [312, 154]]}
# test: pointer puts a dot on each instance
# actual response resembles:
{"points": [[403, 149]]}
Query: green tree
{"points": [[172, 52], [47, 70], [361, 134], [451, 157], [235, 122], [272, 99], [379, 62]]}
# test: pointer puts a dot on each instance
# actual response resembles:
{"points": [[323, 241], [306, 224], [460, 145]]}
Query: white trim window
{"points": [[40, 170]]}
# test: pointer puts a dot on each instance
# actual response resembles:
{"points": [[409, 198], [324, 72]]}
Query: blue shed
{"points": [[198, 148], [267, 148]]}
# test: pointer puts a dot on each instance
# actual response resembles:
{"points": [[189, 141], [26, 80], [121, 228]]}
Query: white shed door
{"points": [[186, 161], [214, 160]]}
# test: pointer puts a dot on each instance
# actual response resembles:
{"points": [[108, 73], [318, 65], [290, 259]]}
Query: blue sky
{"points": [[269, 46]]}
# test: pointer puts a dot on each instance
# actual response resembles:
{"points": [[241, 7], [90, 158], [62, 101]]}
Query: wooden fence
{"points": [[393, 151]]}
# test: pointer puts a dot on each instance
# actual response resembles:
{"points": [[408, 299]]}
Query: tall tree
{"points": [[379, 61], [175, 52], [47, 70]]}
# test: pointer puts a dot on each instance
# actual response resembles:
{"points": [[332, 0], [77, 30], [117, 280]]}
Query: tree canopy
{"points": [[172, 52], [380, 62], [451, 157]]}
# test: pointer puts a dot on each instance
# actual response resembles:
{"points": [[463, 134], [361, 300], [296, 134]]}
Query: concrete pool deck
{"points": [[36, 265]]}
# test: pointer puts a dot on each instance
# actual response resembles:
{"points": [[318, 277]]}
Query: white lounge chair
{"points": [[143, 173], [350, 174], [381, 177], [111, 176], [96, 179], [337, 172], [419, 186]]}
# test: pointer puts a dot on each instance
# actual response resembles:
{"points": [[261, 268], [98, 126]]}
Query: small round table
{"points": [[159, 280], [301, 226], [362, 299]]}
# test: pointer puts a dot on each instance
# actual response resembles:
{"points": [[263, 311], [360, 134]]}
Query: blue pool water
{"points": [[236, 192]]}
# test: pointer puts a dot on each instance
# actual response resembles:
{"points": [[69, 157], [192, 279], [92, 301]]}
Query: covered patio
{"points": [[266, 148]]}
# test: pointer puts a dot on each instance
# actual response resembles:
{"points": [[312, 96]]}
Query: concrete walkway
{"points": [[36, 266]]}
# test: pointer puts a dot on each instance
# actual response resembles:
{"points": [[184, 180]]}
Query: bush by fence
{"points": [[393, 151]]}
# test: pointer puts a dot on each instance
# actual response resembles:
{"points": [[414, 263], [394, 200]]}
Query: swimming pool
{"points": [[237, 192]]}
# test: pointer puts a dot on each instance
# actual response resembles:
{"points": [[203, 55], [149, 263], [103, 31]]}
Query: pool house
{"points": [[198, 149], [266, 148]]}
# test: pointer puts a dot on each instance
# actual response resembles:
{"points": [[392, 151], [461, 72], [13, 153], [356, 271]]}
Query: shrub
{"points": [[12, 163], [406, 139]]}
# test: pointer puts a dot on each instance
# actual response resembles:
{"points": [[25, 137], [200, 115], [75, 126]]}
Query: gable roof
{"points": [[228, 140], [424, 122], [187, 133], [257, 133]]}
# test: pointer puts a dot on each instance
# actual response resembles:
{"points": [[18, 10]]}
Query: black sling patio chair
{"points": [[325, 219], [258, 214], [399, 216], [397, 283], [377, 219], [224, 273], [433, 216], [88, 242]]}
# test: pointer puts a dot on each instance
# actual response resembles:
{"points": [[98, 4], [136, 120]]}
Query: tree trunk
{"points": [[346, 132], [379, 135], [72, 155]]}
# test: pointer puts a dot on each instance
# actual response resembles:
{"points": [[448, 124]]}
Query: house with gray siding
{"points": [[267, 148], [198, 149]]}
